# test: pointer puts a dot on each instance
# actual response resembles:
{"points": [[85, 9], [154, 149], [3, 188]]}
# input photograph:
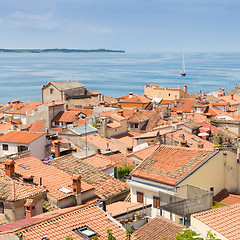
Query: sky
{"points": [[130, 25]]}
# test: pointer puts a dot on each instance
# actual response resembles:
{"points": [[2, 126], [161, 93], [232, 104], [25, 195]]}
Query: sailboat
{"points": [[183, 72]]}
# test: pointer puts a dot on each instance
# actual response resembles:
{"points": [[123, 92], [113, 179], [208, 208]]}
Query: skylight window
{"points": [[181, 104], [85, 232], [138, 100], [195, 139], [24, 166], [189, 143]]}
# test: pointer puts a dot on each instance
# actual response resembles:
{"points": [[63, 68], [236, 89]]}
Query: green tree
{"points": [[124, 170], [69, 238], [129, 234], [188, 234], [110, 235]]}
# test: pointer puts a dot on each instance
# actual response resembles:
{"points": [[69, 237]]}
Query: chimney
{"points": [[236, 86], [200, 145], [175, 101], [99, 97], [183, 143], [181, 137], [185, 89], [57, 149], [154, 106], [103, 126], [98, 151], [75, 120], [9, 167], [66, 107], [120, 112], [102, 98], [179, 86], [135, 109], [130, 95], [232, 96], [30, 208], [53, 102], [103, 201], [76, 184]]}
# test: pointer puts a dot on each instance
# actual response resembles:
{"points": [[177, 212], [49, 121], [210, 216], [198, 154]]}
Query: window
{"points": [[1, 207], [85, 232], [140, 197], [212, 189], [5, 147], [22, 148], [169, 94], [156, 202], [51, 90]]}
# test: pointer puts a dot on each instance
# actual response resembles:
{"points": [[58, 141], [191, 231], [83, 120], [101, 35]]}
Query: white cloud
{"points": [[34, 21], [101, 30]]}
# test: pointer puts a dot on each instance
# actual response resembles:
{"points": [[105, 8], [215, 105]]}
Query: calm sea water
{"points": [[115, 74]]}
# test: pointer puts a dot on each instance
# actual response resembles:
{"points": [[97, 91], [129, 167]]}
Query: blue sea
{"points": [[115, 74]]}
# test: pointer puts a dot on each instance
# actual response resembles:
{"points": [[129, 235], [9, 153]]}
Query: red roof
{"points": [[20, 137], [141, 99], [37, 126], [170, 165]]}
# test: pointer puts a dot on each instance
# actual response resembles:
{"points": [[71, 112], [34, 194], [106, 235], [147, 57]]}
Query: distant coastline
{"points": [[60, 50]]}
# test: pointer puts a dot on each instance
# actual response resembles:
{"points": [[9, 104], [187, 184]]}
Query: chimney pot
{"points": [[183, 143], [76, 184], [232, 96], [57, 149], [9, 167]]}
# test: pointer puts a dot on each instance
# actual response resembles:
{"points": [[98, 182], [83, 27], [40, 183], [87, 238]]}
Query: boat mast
{"points": [[183, 63]]}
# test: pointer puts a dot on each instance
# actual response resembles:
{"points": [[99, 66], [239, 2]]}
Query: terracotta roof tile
{"points": [[52, 178], [144, 153], [20, 137], [158, 228], [127, 139], [67, 116], [224, 220], [11, 190], [64, 221], [141, 99], [105, 185], [22, 108], [37, 126], [170, 165], [226, 198], [184, 105]]}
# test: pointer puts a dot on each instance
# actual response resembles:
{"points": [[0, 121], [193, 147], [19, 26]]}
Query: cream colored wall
{"points": [[165, 93], [88, 194], [220, 172], [148, 199], [47, 97], [111, 132], [203, 229], [133, 105], [9, 236]]}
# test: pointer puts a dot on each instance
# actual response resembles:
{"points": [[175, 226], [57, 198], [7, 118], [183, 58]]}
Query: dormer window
{"points": [[86, 232]]}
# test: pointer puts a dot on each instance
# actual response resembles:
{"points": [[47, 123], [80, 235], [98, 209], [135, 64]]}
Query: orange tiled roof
{"points": [[67, 116], [235, 100], [114, 125], [102, 143], [127, 139], [170, 165], [111, 114], [61, 223], [36, 126], [226, 198], [52, 178], [99, 161], [105, 185], [122, 207], [192, 143], [118, 159], [144, 153], [22, 108], [20, 137], [224, 220], [141, 99], [184, 105], [87, 112], [11, 190], [4, 126], [158, 228]]}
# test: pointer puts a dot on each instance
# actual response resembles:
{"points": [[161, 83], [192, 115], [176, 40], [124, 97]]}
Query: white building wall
{"points": [[37, 147], [12, 148]]}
